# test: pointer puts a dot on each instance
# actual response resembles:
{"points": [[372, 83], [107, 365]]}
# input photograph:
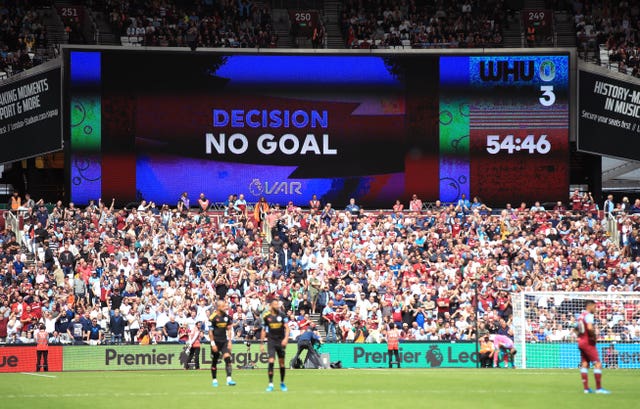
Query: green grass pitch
{"points": [[325, 389]]}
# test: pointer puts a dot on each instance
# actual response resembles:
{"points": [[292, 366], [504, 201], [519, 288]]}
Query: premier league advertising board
{"points": [[154, 124]]}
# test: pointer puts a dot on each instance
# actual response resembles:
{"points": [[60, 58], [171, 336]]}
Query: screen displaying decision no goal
{"points": [[152, 124]]}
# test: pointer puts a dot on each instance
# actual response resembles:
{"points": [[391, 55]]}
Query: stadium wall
{"points": [[412, 355]]}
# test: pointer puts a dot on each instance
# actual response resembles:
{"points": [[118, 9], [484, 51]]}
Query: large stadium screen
{"points": [[378, 127], [30, 115], [609, 113]]}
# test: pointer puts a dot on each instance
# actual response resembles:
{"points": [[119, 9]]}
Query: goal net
{"points": [[543, 328]]}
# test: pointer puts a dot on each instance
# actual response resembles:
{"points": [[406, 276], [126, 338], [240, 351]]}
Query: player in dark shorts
{"points": [[220, 333], [276, 331]]}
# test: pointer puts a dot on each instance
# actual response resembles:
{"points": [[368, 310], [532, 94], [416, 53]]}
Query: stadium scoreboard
{"points": [[376, 126]]}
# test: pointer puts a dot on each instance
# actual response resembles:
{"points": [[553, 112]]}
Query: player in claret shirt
{"points": [[276, 331], [220, 334], [588, 351]]}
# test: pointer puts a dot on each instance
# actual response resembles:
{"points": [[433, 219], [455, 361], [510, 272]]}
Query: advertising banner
{"points": [[30, 114], [608, 114], [615, 355], [148, 357], [24, 359], [412, 355]]}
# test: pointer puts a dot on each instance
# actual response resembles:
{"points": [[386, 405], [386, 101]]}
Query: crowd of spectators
{"points": [[22, 32], [205, 23], [614, 24], [146, 274], [421, 24]]}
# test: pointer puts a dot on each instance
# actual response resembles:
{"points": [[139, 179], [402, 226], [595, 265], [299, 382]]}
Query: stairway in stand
{"points": [[282, 28], [332, 10], [316, 319]]}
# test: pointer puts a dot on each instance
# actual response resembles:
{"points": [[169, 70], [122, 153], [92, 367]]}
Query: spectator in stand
{"points": [[443, 24], [203, 203], [23, 36], [117, 326], [415, 205], [406, 269], [183, 203], [233, 24], [353, 208]]}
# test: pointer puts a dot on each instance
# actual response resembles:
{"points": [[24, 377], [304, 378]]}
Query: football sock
{"points": [[281, 374], [227, 365], [214, 364], [584, 374], [597, 373], [270, 372]]}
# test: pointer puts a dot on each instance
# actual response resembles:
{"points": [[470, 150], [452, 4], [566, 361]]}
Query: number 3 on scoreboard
{"points": [[548, 97]]}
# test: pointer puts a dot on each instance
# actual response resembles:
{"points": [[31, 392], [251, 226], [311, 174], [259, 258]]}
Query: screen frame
{"points": [[66, 50]]}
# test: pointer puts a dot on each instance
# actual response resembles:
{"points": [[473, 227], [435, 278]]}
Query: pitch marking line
{"points": [[37, 374], [235, 392]]}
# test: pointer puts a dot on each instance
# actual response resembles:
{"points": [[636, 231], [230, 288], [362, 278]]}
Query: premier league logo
{"points": [[255, 187], [434, 356], [184, 356]]}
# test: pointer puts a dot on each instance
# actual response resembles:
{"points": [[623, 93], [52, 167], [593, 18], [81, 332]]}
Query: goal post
{"points": [[543, 328]]}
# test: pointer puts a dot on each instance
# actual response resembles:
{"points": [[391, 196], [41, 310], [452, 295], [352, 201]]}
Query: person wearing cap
{"points": [[404, 333], [193, 344], [307, 341]]}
